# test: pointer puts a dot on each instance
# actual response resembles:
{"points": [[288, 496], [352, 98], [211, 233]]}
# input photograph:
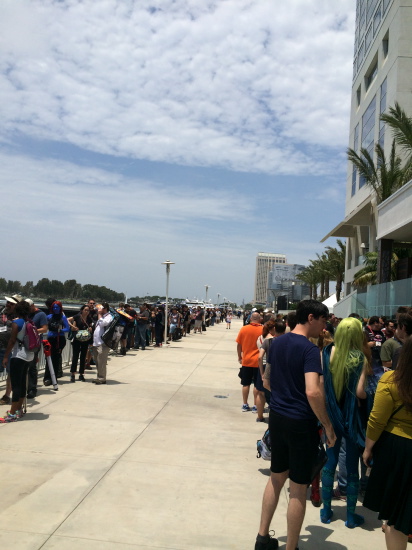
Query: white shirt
{"points": [[101, 325]]}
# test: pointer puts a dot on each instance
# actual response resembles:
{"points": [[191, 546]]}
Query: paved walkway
{"points": [[160, 458]]}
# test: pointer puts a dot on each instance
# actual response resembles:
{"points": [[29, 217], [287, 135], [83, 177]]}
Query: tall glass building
{"points": [[382, 75]]}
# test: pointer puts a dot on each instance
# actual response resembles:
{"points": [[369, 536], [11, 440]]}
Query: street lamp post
{"points": [[167, 263], [218, 296], [207, 288]]}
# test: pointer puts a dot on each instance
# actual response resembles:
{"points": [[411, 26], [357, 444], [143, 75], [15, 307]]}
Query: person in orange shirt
{"points": [[248, 356]]}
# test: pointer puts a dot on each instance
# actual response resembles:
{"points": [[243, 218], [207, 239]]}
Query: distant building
{"points": [[264, 263], [283, 286]]}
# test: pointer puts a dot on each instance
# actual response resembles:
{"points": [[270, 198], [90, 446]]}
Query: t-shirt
{"points": [[39, 318], [388, 349], [378, 337], [247, 339], [291, 357], [174, 318], [144, 317]]}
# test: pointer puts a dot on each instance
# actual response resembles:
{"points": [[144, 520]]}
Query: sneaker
{"points": [[254, 409], [266, 543], [47, 382], [5, 400], [8, 418], [260, 419], [245, 408], [31, 394]]}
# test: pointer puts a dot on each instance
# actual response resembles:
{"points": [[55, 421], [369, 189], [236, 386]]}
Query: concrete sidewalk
{"points": [[159, 458]]}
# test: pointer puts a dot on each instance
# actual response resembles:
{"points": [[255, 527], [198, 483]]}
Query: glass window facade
{"points": [[385, 5], [355, 148], [376, 20], [371, 76], [368, 39], [368, 126], [382, 110], [368, 132], [369, 18]]}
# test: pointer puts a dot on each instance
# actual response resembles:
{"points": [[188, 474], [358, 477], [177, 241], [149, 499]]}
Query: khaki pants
{"points": [[100, 354]]}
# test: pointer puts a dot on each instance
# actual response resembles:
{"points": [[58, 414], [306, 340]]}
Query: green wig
{"points": [[348, 353]]}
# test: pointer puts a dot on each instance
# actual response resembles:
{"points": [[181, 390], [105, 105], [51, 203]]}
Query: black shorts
{"points": [[294, 446], [248, 375]]}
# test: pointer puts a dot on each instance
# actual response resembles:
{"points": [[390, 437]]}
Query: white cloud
{"points": [[243, 84]]}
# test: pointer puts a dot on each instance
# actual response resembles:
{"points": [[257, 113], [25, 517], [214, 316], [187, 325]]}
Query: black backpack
{"points": [[114, 330]]}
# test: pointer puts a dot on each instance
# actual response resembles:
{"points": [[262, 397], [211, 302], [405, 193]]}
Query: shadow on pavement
{"points": [[36, 416]]}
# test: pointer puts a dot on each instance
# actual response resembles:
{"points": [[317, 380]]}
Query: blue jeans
{"points": [[140, 336]]}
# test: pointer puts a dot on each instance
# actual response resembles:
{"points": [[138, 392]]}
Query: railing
{"points": [[381, 299], [66, 360]]}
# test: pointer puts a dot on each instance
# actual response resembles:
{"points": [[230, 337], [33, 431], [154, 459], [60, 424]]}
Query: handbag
{"points": [[82, 335], [320, 460]]}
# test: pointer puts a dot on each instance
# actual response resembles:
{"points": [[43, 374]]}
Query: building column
{"points": [[384, 260]]}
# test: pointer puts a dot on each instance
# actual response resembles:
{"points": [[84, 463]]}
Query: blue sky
{"points": [[197, 131]]}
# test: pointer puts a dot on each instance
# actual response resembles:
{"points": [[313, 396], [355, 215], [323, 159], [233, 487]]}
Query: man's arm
{"points": [[316, 397], [239, 353], [43, 329]]}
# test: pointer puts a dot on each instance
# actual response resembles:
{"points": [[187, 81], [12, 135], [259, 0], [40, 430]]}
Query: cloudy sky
{"points": [[200, 131]]}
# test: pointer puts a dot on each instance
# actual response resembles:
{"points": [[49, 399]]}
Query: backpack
{"points": [[114, 330], [31, 339], [264, 449]]}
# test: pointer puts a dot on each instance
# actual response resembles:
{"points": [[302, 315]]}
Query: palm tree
{"points": [[401, 126], [384, 178], [322, 266], [310, 275], [368, 273], [336, 261]]}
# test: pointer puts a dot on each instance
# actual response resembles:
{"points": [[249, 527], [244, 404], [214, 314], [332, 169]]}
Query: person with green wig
{"points": [[343, 364]]}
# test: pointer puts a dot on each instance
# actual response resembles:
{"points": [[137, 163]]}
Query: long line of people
{"points": [[94, 331]]}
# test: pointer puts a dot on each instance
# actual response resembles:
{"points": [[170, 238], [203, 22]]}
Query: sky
{"points": [[196, 131]]}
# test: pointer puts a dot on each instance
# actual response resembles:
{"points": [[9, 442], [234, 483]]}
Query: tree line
{"points": [[329, 266], [67, 290]]}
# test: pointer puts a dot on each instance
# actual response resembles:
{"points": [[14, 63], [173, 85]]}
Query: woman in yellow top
{"points": [[389, 443]]}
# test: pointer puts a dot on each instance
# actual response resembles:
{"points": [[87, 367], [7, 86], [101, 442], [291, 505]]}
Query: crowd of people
{"points": [[93, 332], [348, 381]]}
